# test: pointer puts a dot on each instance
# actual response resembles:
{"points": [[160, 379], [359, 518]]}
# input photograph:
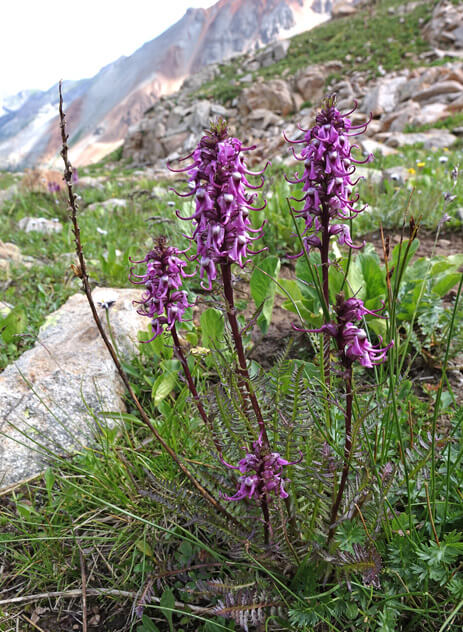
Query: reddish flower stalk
{"points": [[353, 344], [218, 179], [165, 304]]}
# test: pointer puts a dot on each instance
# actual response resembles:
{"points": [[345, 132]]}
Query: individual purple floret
{"points": [[162, 300], [218, 181], [356, 345], [327, 178], [262, 474], [354, 309]]}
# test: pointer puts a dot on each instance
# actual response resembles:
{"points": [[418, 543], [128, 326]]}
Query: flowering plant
{"points": [[218, 179]]}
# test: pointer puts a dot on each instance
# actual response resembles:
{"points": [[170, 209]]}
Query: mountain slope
{"points": [[101, 109]]}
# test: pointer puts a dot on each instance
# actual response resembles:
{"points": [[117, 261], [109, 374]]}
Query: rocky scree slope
{"points": [[399, 100]]}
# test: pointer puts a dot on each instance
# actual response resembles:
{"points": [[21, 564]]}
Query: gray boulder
{"points": [[109, 205], [40, 225], [52, 398], [434, 138], [383, 97]]}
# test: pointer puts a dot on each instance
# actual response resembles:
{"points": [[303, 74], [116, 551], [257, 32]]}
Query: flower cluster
{"points": [[352, 341], [162, 300], [262, 474], [53, 187], [217, 179], [327, 178]]}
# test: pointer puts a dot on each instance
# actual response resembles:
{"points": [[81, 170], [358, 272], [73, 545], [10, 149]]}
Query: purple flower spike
{"points": [[327, 177], [162, 300], [218, 181], [352, 341], [262, 474]]}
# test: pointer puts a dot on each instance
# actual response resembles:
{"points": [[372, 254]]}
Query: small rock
{"points": [[311, 83], [274, 95], [439, 88], [40, 225], [262, 118], [218, 110], [110, 204], [158, 192], [342, 9], [383, 97], [437, 138], [8, 194], [9, 253], [398, 174], [371, 146], [88, 182], [172, 143], [280, 49], [246, 78], [253, 66], [374, 176]]}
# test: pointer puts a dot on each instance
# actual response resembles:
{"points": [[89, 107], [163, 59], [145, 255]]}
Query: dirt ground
{"points": [[449, 243]]}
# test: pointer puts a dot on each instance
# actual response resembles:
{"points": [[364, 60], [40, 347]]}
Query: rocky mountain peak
{"points": [[105, 106]]}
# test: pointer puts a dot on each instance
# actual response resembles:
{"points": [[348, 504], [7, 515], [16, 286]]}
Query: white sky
{"points": [[43, 41]]}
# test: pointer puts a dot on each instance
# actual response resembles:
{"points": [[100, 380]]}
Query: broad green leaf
{"points": [[165, 383], [156, 347], [400, 250], [212, 325], [144, 548], [357, 283], [378, 325], [445, 284], [13, 324], [336, 278], [311, 371], [166, 605], [298, 307], [455, 260], [147, 625], [441, 266], [263, 289], [49, 478], [374, 276], [291, 287], [311, 299], [419, 269]]}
